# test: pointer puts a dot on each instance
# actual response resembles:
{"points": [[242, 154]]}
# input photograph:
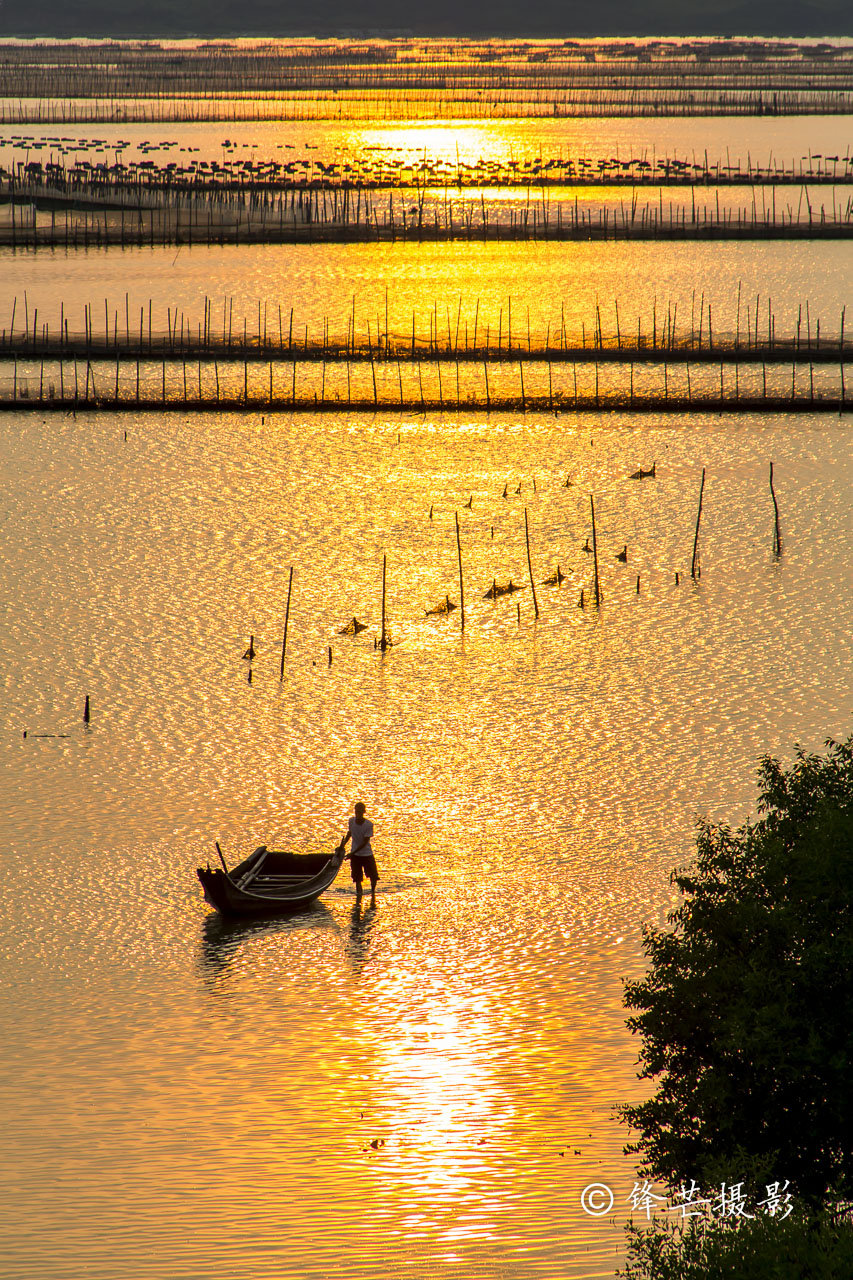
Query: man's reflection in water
{"points": [[361, 922]]}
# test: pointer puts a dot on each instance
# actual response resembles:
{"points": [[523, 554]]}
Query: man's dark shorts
{"points": [[359, 866]]}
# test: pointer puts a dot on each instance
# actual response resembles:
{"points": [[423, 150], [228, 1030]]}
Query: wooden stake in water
{"points": [[595, 552], [383, 643], [529, 565], [777, 537], [459, 558], [695, 560], [286, 617]]}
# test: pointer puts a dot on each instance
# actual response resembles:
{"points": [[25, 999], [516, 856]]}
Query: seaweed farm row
{"points": [[371, 106], [422, 387], [404, 78], [384, 170], [447, 335], [41, 215]]}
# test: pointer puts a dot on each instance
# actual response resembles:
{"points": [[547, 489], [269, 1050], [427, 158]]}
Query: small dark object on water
{"points": [[87, 711], [495, 591], [470, 503], [430, 510], [677, 579], [352, 628], [248, 656], [504, 492], [623, 555], [568, 482], [444, 607], [580, 602], [555, 578], [640, 474], [587, 547]]}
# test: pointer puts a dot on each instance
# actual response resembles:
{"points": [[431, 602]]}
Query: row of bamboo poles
{"points": [[267, 397], [372, 106], [405, 79], [110, 70], [278, 334], [309, 220]]}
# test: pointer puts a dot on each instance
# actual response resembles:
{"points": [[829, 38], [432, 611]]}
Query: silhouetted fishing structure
{"points": [[17, 393], [377, 169], [93, 210], [436, 335]]}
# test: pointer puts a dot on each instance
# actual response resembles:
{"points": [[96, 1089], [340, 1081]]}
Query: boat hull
{"points": [[269, 882]]}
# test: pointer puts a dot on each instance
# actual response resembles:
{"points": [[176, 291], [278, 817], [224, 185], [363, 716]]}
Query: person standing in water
{"points": [[360, 831]]}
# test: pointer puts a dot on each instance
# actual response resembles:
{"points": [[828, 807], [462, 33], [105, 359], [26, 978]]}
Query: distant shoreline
{"points": [[92, 22]]}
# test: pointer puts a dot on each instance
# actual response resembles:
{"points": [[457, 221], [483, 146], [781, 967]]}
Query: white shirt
{"points": [[362, 834]]}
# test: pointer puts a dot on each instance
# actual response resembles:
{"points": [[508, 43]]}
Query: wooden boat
{"points": [[269, 880]]}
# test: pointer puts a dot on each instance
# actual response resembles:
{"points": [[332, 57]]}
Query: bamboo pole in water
{"points": [[777, 537], [383, 643], [595, 552], [461, 586], [694, 562], [286, 619], [530, 566]]}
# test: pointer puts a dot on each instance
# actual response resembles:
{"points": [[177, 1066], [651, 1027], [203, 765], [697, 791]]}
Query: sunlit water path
{"points": [[741, 140]]}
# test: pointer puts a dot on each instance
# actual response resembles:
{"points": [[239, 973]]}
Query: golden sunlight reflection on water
{"points": [[187, 1097]]}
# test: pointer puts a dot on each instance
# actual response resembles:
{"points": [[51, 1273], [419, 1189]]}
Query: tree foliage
{"points": [[764, 1249], [746, 1011]]}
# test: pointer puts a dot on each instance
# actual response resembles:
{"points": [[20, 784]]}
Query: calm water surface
{"points": [[186, 1098]]}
